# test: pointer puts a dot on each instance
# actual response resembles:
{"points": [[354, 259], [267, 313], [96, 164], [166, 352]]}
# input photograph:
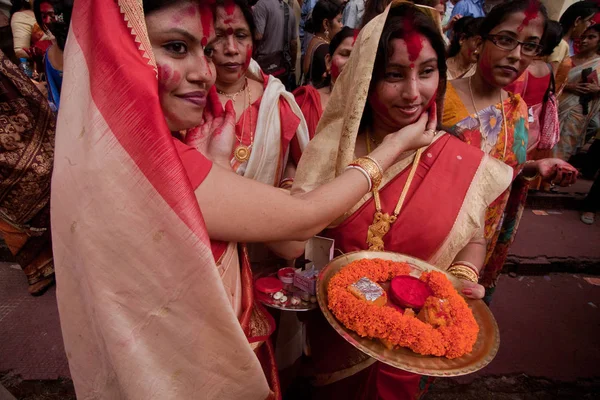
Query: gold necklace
{"points": [[233, 96], [504, 122], [242, 152], [382, 222]]}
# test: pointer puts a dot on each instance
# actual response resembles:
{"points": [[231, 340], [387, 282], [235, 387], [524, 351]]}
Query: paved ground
{"points": [[549, 326]]}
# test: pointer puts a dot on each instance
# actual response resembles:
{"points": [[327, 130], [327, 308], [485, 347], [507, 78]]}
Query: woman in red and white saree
{"points": [[145, 312], [396, 72]]}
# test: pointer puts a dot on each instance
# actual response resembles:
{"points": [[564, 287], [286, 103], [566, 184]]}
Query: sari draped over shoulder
{"points": [[469, 180], [507, 142], [575, 112], [309, 100], [277, 128], [27, 133], [143, 309]]}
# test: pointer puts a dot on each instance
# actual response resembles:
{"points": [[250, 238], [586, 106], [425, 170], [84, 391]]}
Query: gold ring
{"points": [[430, 132]]}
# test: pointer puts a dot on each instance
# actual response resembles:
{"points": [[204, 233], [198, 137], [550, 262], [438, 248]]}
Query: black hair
{"points": [[595, 27], [583, 9], [18, 5], [499, 13], [246, 12], [552, 37], [403, 19], [464, 28], [324, 9], [339, 37], [62, 19]]}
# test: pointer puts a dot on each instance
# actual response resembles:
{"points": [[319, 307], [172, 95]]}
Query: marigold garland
{"points": [[390, 325]]}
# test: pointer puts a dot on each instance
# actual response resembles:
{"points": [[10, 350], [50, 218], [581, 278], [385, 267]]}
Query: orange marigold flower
{"points": [[453, 340]]}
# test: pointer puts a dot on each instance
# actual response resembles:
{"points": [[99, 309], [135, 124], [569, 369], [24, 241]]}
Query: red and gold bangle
{"points": [[286, 183], [372, 167]]}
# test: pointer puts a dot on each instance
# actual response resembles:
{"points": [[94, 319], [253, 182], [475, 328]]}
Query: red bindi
{"points": [[229, 31], [531, 13], [412, 65]]}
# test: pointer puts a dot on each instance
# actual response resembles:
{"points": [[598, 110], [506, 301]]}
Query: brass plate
{"points": [[484, 350]]}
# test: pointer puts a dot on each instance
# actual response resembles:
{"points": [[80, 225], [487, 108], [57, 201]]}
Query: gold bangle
{"points": [[463, 269], [468, 265], [463, 272], [372, 168]]}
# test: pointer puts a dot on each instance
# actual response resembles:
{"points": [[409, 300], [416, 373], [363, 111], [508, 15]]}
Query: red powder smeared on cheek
{"points": [[229, 7], [164, 75], [414, 41], [335, 70], [531, 13], [248, 56]]}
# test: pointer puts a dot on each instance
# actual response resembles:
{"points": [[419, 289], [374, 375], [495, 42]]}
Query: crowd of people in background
{"points": [[287, 94]]}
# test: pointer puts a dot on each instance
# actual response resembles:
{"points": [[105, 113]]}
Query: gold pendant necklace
{"points": [[233, 96], [242, 152], [484, 137], [382, 222]]}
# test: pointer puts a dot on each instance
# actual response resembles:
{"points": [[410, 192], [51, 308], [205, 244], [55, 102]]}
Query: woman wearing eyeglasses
{"points": [[480, 112]]}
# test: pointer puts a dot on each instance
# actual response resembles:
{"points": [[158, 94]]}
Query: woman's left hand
{"points": [[472, 290], [215, 138], [559, 172]]}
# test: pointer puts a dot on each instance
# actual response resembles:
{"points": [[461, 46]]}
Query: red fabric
{"points": [[195, 164], [309, 100], [197, 168], [532, 89], [246, 125], [389, 383], [147, 140], [437, 176]]}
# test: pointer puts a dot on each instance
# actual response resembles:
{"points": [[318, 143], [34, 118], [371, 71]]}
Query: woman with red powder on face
{"points": [[270, 129], [145, 310], [478, 110], [312, 100], [395, 75]]}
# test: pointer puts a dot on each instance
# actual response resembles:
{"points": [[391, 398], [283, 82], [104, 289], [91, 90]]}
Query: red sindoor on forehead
{"points": [[413, 40], [229, 7], [206, 19], [531, 13]]}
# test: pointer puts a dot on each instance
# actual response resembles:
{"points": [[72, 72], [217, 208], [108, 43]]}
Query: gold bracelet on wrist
{"points": [[463, 272], [468, 265], [372, 168], [532, 178]]}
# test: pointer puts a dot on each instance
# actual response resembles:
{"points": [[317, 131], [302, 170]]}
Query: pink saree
{"points": [[143, 310]]}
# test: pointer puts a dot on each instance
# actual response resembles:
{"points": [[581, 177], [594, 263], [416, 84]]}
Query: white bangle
{"points": [[365, 173]]}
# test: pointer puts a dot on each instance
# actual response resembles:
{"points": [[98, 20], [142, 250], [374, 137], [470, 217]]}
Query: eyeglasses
{"points": [[508, 43]]}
